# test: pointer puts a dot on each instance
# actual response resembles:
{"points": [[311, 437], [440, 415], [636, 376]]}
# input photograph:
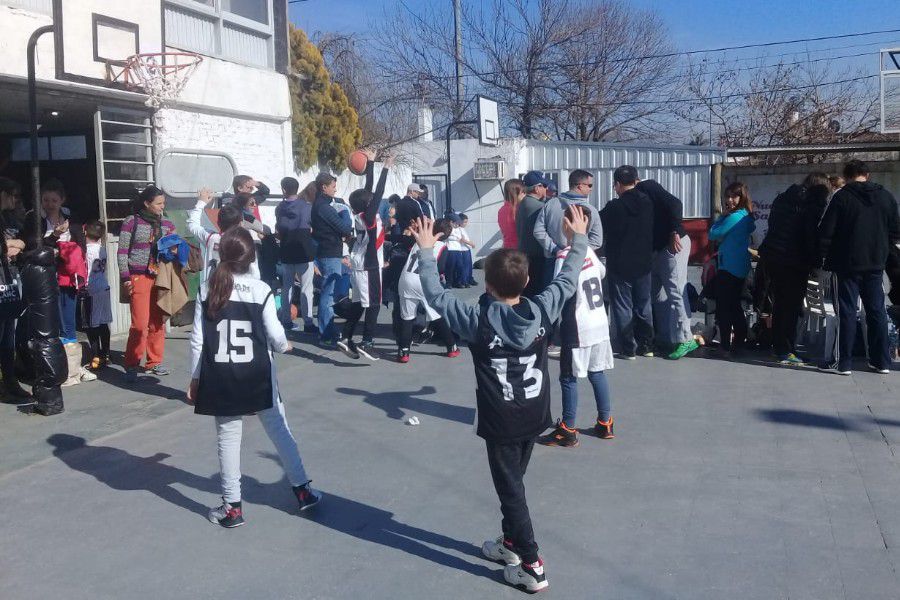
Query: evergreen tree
{"points": [[325, 126]]}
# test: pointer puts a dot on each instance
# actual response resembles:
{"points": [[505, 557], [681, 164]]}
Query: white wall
{"points": [[226, 86], [256, 146], [18, 24]]}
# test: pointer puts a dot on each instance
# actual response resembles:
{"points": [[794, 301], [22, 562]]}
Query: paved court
{"points": [[726, 480]]}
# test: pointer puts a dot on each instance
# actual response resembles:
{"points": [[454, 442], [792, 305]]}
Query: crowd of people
{"points": [[571, 281]]}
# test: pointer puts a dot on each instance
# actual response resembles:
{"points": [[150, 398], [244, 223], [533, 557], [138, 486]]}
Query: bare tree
{"points": [[385, 114], [786, 103]]}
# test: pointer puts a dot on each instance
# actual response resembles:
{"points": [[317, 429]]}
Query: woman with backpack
{"points": [[137, 263]]}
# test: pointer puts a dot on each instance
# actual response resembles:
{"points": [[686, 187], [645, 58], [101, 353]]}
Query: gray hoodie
{"points": [[509, 348], [548, 227]]}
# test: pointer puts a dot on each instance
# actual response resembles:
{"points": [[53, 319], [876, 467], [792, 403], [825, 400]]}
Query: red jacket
{"points": [[71, 270]]}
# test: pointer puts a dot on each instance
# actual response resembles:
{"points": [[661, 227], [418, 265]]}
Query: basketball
{"points": [[357, 162]]}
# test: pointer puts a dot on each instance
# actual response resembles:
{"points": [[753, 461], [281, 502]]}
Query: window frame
{"points": [[222, 18]]}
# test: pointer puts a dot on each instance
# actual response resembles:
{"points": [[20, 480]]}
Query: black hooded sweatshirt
{"points": [[667, 213], [791, 239], [628, 232], [858, 229]]}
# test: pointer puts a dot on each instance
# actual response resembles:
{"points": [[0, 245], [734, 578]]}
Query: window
{"points": [[237, 30], [255, 10], [60, 147]]}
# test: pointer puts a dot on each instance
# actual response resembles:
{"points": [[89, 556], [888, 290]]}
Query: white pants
{"points": [[229, 431], [290, 273]]}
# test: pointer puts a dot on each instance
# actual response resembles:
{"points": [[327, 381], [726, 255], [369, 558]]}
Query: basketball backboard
{"points": [[488, 122], [89, 34], [180, 173], [890, 90]]}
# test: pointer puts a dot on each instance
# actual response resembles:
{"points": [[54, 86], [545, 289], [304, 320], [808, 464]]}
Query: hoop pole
{"points": [[33, 131]]}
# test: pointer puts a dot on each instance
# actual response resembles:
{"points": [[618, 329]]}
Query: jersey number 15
{"points": [[235, 345]]}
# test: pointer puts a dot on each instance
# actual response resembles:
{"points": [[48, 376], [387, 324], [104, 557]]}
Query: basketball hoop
{"points": [[160, 75]]}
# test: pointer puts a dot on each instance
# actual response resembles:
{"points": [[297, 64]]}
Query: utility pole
{"points": [[460, 91]]}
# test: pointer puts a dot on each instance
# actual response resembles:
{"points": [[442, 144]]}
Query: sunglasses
{"points": [[590, 185]]}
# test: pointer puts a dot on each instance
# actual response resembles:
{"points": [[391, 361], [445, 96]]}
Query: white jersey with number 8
{"points": [[584, 321]]}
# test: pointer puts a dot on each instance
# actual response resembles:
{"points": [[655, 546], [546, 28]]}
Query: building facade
{"points": [[100, 137]]}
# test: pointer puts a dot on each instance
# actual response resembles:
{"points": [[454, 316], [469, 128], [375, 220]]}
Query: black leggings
{"points": [[441, 329], [729, 312], [99, 340], [355, 314]]}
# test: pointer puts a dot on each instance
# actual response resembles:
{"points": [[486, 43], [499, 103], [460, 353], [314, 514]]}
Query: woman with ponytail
{"points": [[236, 329]]}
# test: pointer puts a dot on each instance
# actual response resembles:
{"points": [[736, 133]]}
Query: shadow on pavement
{"points": [[126, 472], [146, 384], [805, 419], [394, 403]]}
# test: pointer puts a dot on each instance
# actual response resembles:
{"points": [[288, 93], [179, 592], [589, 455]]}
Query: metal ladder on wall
{"points": [[124, 147]]}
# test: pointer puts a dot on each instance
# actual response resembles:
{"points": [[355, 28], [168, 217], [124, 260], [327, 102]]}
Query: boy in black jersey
{"points": [[508, 336]]}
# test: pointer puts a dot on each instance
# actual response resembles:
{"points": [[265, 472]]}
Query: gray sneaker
{"points": [[158, 370]]}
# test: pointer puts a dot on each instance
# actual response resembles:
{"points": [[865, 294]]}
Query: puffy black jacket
{"points": [[858, 228], [791, 238], [328, 229], [628, 229]]}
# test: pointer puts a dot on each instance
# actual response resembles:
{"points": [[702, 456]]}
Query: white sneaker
{"points": [[497, 551], [87, 375], [530, 578]]}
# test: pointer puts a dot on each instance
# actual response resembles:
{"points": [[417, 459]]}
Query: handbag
{"points": [[11, 304]]}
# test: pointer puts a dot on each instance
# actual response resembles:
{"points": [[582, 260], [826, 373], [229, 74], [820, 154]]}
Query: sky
{"points": [[693, 24]]}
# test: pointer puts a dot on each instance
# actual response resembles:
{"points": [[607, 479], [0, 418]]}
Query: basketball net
{"points": [[160, 75]]}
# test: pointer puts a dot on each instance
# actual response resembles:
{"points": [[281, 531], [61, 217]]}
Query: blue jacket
{"points": [[292, 222], [329, 228], [733, 234], [173, 247]]}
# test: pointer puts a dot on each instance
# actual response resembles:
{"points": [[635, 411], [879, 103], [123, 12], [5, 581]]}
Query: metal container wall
{"points": [[683, 170]]}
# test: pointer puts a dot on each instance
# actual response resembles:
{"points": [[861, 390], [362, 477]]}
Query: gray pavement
{"points": [[725, 480]]}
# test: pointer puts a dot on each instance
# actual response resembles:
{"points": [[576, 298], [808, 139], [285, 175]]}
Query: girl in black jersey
{"points": [[236, 328]]}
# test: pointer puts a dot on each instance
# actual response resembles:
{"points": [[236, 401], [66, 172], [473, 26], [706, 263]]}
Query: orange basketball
{"points": [[357, 162]]}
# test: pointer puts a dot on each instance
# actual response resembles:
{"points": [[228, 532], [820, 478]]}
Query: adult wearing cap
{"points": [[526, 217], [628, 224], [425, 204]]}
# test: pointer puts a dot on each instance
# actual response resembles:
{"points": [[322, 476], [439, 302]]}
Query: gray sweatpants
{"points": [[670, 320], [291, 272], [230, 430]]}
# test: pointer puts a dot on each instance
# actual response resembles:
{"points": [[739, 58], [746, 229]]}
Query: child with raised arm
{"points": [[508, 337], [366, 262], [236, 329]]}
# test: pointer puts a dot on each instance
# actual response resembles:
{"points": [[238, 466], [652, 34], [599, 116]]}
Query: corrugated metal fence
{"points": [[683, 170]]}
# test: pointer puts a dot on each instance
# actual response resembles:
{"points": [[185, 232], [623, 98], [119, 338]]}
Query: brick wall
{"points": [[258, 147]]}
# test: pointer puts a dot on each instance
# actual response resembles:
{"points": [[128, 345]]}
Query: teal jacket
{"points": [[733, 234]]}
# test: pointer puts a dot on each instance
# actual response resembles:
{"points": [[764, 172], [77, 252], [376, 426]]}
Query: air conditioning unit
{"points": [[488, 169]]}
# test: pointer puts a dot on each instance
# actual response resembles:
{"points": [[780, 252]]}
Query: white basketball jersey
{"points": [[410, 284], [584, 321]]}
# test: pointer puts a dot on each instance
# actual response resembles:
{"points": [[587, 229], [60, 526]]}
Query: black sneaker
{"points": [[306, 496], [528, 577], [424, 336], [348, 347], [561, 436], [227, 515], [158, 370], [367, 349], [604, 430]]}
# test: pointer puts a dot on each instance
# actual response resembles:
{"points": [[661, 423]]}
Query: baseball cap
{"points": [[534, 178], [414, 187]]}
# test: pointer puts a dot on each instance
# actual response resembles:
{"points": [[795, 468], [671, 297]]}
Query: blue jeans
{"points": [[852, 287], [331, 272], [569, 385], [631, 316], [67, 313]]}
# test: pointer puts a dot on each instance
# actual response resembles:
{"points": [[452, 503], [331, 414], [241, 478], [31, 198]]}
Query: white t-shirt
{"points": [[453, 240], [410, 285], [95, 258], [209, 242], [587, 324]]}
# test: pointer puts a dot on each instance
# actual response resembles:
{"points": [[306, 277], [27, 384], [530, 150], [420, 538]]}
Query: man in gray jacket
{"points": [[526, 215], [548, 226]]}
